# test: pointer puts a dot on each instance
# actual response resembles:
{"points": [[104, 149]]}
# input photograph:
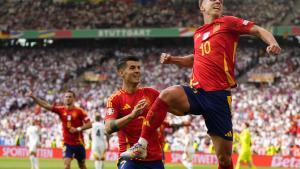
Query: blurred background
{"points": [[48, 46]]}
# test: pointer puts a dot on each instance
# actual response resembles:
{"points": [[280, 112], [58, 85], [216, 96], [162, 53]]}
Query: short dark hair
{"points": [[70, 91], [122, 62]]}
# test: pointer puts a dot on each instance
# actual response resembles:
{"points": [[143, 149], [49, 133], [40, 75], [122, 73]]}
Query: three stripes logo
{"points": [[126, 106], [229, 134]]}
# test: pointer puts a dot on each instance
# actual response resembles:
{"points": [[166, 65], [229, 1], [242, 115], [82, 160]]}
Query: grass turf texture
{"points": [[24, 163]]}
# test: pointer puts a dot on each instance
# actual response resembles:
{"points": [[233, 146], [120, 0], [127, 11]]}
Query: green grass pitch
{"points": [[23, 163]]}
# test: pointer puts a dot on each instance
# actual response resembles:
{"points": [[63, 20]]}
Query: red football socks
{"points": [[155, 117], [226, 167]]}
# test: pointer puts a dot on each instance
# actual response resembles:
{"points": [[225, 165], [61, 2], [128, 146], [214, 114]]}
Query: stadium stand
{"points": [[20, 15]]}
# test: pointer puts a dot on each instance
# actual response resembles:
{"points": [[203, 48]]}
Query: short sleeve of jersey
{"points": [[238, 24], [111, 108]]}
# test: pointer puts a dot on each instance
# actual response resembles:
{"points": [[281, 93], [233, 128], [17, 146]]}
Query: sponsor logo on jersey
{"points": [[126, 106]]}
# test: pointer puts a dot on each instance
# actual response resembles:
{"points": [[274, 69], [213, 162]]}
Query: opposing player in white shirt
{"points": [[33, 139], [99, 143], [189, 151]]}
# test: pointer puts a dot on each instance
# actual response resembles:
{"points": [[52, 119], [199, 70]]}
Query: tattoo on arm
{"points": [[113, 126]]}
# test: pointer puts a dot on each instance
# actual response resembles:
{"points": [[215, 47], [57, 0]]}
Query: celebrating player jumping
{"points": [[212, 78]]}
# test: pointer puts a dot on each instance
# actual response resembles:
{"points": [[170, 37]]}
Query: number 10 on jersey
{"points": [[205, 48]]}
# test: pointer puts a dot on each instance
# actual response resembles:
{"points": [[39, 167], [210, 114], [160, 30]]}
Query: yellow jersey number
{"points": [[205, 48]]}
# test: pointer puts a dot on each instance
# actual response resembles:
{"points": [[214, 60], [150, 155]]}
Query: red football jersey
{"points": [[74, 117], [215, 52], [121, 104]]}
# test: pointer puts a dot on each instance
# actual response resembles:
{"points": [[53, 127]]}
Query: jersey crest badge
{"points": [[205, 35], [110, 111]]}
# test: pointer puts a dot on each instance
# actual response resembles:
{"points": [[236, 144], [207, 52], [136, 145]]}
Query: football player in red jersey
{"points": [[126, 112], [213, 76], [74, 121]]}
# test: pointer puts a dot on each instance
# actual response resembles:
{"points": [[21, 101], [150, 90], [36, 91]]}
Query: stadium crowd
{"points": [[296, 18], [48, 14], [272, 109]]}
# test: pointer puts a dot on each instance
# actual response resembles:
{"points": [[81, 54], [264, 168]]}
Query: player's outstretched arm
{"points": [[85, 126], [273, 46], [182, 61], [113, 125], [40, 102]]}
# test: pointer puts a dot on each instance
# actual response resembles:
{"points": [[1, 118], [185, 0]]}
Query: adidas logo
{"points": [[145, 122], [126, 106], [229, 134]]}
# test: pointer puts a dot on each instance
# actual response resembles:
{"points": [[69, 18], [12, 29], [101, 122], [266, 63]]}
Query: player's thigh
{"points": [[222, 146], [102, 152], [79, 153], [33, 148], [68, 151], [177, 100], [216, 106]]}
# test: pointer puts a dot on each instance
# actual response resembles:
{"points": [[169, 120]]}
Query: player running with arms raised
{"points": [[74, 121]]}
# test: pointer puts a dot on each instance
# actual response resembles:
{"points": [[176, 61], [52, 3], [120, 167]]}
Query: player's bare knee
{"points": [[224, 160], [169, 94], [165, 95]]}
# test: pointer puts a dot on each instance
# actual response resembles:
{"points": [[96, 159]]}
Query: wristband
{"points": [[78, 128]]}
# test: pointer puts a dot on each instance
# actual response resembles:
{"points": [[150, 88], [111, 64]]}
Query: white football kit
{"points": [[98, 140], [189, 151], [33, 135]]}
